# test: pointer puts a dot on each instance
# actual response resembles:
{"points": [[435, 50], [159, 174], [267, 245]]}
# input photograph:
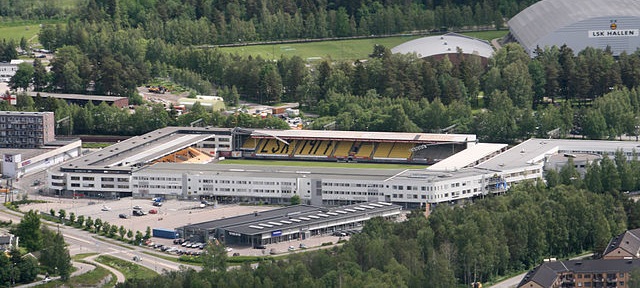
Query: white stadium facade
{"points": [[578, 24], [183, 162]]}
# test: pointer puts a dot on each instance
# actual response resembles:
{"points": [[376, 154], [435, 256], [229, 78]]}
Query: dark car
{"points": [[157, 204], [259, 246], [138, 213], [123, 216]]}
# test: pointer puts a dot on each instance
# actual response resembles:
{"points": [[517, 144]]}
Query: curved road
{"points": [[81, 241]]}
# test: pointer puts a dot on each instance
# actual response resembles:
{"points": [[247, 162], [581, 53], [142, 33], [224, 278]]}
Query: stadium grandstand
{"points": [[352, 146], [188, 162]]}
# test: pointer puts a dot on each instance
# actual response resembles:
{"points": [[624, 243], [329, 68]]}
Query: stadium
{"points": [[189, 163], [578, 24]]}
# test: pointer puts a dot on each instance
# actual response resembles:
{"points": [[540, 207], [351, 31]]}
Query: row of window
{"points": [[103, 179], [144, 178], [329, 192]]}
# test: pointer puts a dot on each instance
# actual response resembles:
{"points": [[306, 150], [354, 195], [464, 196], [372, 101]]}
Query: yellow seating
{"points": [[343, 149], [275, 146], [401, 150], [250, 143], [315, 147], [383, 150], [365, 150]]}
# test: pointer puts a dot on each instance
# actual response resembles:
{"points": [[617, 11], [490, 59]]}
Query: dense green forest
{"points": [[512, 98]]}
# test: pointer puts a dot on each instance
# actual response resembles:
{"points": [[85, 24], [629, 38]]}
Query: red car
{"points": [[153, 211]]}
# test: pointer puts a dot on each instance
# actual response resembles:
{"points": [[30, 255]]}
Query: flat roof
{"points": [[238, 170], [467, 157], [364, 135], [77, 96], [287, 218], [22, 113], [124, 155], [30, 153], [534, 151]]}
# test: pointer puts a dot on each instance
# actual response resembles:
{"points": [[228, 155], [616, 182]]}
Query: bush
{"points": [[327, 244]]}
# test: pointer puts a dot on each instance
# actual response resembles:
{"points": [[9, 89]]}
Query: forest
{"points": [[513, 98]]}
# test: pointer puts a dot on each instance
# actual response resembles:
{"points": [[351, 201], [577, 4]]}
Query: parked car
{"points": [[228, 249], [303, 246], [138, 213], [291, 248], [123, 216], [178, 241], [157, 204], [106, 208], [153, 211], [137, 207], [273, 251], [259, 246]]}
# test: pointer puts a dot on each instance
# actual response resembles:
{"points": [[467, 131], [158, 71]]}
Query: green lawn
{"points": [[17, 32], [130, 270], [89, 279], [315, 51], [488, 35], [337, 50], [321, 164]]}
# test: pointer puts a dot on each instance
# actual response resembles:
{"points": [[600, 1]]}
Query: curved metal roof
{"points": [[546, 16], [445, 44]]}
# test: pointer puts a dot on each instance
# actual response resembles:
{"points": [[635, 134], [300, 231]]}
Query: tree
{"points": [[122, 231], [55, 256], [62, 214], [295, 200], [29, 231], [80, 221], [214, 257], [40, 76], [88, 224], [22, 78], [72, 218]]}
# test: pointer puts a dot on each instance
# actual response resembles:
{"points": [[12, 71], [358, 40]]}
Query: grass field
{"points": [[130, 270], [313, 51], [321, 164], [17, 32], [337, 50]]}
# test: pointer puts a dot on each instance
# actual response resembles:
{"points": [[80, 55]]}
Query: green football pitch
{"points": [[321, 164]]}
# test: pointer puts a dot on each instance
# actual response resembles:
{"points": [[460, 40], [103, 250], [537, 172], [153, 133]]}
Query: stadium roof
{"points": [[142, 149], [445, 44], [546, 16], [363, 136], [467, 157]]}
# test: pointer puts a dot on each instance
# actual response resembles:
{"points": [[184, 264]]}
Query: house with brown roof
{"points": [[614, 269]]}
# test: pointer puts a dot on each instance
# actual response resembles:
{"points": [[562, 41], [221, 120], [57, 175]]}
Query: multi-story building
{"points": [[26, 129]]}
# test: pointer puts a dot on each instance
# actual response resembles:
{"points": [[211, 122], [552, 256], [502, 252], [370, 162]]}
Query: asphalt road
{"points": [[81, 241]]}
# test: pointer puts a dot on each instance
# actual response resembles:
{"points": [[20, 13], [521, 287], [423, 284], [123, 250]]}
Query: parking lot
{"points": [[170, 215]]}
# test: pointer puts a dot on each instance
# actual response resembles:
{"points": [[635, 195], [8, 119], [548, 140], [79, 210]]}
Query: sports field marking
{"points": [[322, 164]]}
